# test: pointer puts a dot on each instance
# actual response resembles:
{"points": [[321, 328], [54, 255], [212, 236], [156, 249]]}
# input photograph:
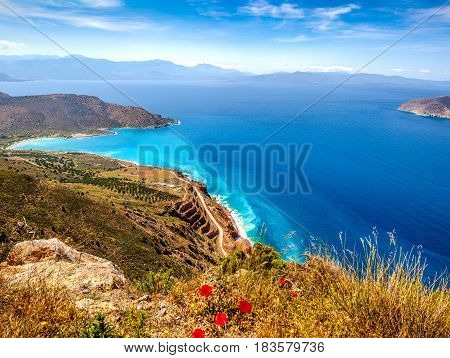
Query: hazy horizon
{"points": [[287, 36]]}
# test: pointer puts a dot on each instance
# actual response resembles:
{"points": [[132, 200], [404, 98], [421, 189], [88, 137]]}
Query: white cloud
{"points": [[328, 17], [441, 14], [79, 19], [398, 70], [7, 45], [366, 32], [102, 3], [299, 38], [425, 71], [217, 14], [262, 8], [320, 19], [333, 13], [344, 69]]}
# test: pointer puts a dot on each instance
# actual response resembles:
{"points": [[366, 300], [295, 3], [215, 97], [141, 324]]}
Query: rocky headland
{"points": [[66, 114], [428, 107]]}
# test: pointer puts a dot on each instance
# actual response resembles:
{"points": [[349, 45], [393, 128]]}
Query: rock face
{"points": [[70, 113], [90, 280], [430, 107]]}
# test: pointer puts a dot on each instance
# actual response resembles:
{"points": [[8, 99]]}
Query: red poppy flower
{"points": [[205, 290], [294, 294], [245, 307], [282, 282], [198, 333], [221, 319]]}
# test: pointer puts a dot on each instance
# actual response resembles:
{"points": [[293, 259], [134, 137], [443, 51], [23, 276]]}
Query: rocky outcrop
{"points": [[70, 113], [429, 107], [93, 282]]}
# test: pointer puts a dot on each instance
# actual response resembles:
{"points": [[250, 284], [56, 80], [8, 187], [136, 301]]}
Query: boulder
{"points": [[93, 282]]}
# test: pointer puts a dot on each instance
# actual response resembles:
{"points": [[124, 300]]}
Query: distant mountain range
{"points": [[338, 77], [6, 78], [68, 68]]}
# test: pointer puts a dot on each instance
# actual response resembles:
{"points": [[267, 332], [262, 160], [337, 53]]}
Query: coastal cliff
{"points": [[68, 114], [428, 107]]}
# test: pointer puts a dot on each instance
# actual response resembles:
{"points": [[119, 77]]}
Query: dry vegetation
{"points": [[330, 300], [38, 311]]}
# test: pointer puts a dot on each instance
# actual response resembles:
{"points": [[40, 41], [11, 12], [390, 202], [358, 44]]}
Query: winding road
{"points": [[208, 212]]}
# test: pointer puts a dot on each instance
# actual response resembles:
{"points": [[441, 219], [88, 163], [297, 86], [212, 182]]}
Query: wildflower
{"points": [[205, 290], [221, 319], [282, 282], [198, 333], [291, 331], [192, 305], [294, 294], [43, 324], [245, 307], [166, 331]]}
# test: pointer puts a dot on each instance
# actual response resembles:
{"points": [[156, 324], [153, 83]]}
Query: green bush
{"points": [[157, 282], [263, 258], [99, 328]]}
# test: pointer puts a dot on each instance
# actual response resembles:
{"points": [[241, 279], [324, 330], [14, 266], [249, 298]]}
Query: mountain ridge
{"points": [[35, 67]]}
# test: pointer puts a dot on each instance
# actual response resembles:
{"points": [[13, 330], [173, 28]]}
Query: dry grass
{"points": [[336, 297], [333, 300], [38, 311]]}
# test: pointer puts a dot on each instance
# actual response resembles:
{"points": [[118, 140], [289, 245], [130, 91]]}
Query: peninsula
{"points": [[428, 107], [66, 114]]}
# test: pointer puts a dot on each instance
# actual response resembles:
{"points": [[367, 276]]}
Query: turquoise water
{"points": [[370, 165]]}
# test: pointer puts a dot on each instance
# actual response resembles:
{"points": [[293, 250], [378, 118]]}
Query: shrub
{"points": [[263, 258], [99, 328], [157, 282]]}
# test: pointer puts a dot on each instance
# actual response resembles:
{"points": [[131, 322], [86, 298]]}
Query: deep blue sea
{"points": [[369, 165]]}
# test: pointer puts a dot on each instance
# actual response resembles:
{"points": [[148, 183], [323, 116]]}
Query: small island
{"points": [[428, 107]]}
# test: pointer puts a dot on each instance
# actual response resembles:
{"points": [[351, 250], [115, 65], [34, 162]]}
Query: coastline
{"points": [[104, 132], [233, 214], [100, 132], [420, 114]]}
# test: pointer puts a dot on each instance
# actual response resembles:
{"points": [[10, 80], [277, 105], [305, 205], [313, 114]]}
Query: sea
{"points": [[358, 168]]}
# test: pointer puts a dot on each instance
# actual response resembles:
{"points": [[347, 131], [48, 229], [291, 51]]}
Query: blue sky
{"points": [[254, 35]]}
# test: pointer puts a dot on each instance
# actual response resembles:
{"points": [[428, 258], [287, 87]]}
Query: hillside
{"points": [[68, 114], [109, 209], [428, 107]]}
